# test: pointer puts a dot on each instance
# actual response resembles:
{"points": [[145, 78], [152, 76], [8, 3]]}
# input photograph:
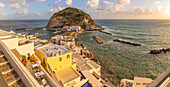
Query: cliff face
{"points": [[72, 16]]}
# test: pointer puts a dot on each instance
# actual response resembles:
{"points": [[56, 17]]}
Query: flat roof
{"points": [[68, 74], [85, 67], [53, 50], [93, 64], [4, 34], [141, 82], [92, 79]]}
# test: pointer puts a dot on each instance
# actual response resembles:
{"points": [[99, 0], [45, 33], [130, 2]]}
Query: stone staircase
{"points": [[8, 72]]}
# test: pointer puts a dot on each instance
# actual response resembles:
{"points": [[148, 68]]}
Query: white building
{"points": [[74, 28], [17, 43]]}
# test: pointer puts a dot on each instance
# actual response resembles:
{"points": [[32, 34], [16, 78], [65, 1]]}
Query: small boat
{"points": [[56, 32], [44, 28], [44, 34], [91, 39]]}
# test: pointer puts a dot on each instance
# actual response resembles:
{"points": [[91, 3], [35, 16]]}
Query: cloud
{"points": [[15, 6], [37, 0], [13, 1], [22, 12], [52, 11], [2, 6], [3, 14], [157, 2], [55, 3], [136, 13], [68, 3], [24, 4], [103, 6], [36, 13], [119, 6], [92, 3], [139, 10]]}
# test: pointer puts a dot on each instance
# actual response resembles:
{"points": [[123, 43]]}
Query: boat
{"points": [[44, 28], [44, 34], [56, 32]]}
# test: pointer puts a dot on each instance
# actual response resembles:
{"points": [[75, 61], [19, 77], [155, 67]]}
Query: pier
{"points": [[99, 41], [105, 32], [127, 42], [35, 28]]}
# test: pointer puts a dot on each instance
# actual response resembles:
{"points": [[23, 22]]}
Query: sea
{"points": [[118, 61]]}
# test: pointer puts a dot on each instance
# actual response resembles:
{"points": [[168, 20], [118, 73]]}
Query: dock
{"points": [[35, 28], [98, 40], [105, 32], [127, 42]]}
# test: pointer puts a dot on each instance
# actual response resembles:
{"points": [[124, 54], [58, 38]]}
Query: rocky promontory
{"points": [[72, 17]]}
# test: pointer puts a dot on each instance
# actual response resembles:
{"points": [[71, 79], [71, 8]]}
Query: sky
{"points": [[98, 9]]}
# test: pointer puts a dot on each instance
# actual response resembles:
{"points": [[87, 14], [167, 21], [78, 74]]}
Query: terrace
{"points": [[34, 68], [51, 50], [67, 75]]}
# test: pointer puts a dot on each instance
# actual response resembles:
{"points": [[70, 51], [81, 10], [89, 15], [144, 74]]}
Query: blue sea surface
{"points": [[119, 61]]}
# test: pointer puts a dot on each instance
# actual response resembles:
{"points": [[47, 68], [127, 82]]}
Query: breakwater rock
{"points": [[127, 42], [35, 28], [98, 40], [105, 32], [159, 51]]}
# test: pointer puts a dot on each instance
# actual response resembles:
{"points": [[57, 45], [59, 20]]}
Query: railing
{"points": [[21, 70], [52, 79]]}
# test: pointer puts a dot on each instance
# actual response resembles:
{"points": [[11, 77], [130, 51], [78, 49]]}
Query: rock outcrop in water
{"points": [[72, 16], [159, 51]]}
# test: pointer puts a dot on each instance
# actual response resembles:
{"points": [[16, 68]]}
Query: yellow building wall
{"points": [[73, 66], [54, 62], [41, 56], [56, 65]]}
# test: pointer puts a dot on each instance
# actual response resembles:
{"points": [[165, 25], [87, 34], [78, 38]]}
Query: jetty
{"points": [[105, 32], [35, 28], [159, 51], [98, 40], [127, 42]]}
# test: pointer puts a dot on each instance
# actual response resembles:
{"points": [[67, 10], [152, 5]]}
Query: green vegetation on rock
{"points": [[72, 16]]}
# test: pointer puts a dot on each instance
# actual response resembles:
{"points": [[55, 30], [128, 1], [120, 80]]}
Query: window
{"points": [[68, 56], [60, 59]]}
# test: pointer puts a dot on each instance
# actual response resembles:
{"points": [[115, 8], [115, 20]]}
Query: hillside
{"points": [[72, 16]]}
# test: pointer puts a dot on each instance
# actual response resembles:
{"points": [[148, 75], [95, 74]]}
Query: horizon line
{"points": [[93, 19]]}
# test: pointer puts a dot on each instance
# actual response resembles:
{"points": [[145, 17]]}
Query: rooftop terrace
{"points": [[4, 34], [68, 74], [52, 50]]}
